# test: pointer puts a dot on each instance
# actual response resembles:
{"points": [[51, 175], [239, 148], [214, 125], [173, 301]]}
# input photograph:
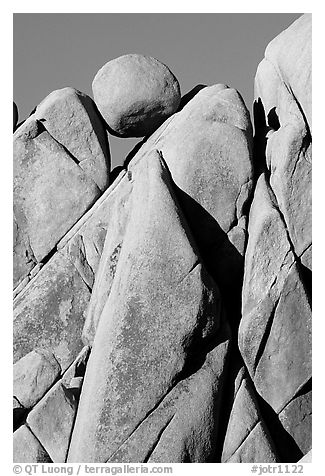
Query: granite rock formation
{"points": [[162, 312], [212, 172], [135, 94], [72, 119], [61, 167], [275, 328], [283, 103]]}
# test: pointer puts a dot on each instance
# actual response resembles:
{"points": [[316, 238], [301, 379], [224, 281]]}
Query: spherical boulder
{"points": [[135, 94]]}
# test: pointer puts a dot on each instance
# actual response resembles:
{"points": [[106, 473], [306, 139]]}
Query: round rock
{"points": [[135, 94]]}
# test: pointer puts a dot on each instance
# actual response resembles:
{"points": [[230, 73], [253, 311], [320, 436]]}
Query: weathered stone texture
{"points": [[52, 419], [275, 330], [34, 374], [27, 449], [245, 427], [50, 312], [51, 192], [283, 92], [135, 94], [151, 321], [71, 118], [61, 166], [208, 149], [166, 318]]}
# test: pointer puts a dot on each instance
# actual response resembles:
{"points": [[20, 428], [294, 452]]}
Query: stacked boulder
{"points": [[135, 94], [165, 317]]}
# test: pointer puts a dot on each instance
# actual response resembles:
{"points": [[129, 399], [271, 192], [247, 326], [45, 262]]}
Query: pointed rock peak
{"points": [[161, 309]]}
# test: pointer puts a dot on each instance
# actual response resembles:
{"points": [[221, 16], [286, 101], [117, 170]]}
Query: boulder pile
{"points": [[164, 315]]}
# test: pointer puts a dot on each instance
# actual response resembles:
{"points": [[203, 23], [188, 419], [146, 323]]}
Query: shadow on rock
{"points": [[190, 95], [220, 257]]}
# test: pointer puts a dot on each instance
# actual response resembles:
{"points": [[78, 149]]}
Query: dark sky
{"points": [[55, 50]]}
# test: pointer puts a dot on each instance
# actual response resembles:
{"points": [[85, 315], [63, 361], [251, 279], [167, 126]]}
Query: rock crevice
{"points": [[162, 312]]}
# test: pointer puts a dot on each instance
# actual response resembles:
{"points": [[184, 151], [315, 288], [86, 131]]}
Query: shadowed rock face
{"points": [[247, 438], [283, 96], [208, 149], [275, 329], [188, 279], [290, 56], [15, 116]]}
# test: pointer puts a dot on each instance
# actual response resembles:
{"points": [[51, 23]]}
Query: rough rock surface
{"points": [[61, 166], [50, 312], [34, 374], [72, 120], [247, 439], [290, 55], [117, 216], [283, 98], [27, 449], [208, 149], [51, 192], [135, 94], [155, 337], [169, 319], [51, 420], [297, 422], [213, 173], [275, 330]]}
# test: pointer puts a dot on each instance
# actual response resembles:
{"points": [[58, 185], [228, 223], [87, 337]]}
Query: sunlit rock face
{"points": [[162, 312]]}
